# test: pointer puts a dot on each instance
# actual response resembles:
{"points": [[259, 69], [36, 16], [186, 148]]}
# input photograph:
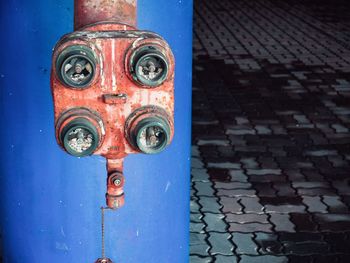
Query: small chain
{"points": [[103, 230], [103, 259]]}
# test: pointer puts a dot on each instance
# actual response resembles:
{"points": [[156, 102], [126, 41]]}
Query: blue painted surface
{"points": [[50, 200]]}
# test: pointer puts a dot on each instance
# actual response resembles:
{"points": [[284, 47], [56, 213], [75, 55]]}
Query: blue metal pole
{"points": [[50, 200]]}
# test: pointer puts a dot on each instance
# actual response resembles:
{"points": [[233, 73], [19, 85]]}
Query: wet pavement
{"points": [[271, 139]]}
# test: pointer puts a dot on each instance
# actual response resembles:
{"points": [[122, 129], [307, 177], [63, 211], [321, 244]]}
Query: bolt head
{"points": [[117, 182]]}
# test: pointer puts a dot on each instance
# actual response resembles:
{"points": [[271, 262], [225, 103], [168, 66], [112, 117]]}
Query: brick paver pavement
{"points": [[271, 140]]}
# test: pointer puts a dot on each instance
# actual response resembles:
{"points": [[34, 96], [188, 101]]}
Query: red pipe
{"points": [[87, 12]]}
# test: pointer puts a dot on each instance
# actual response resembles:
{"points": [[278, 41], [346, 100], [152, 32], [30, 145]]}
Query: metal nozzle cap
{"points": [[149, 66], [80, 137], [75, 66], [152, 135]]}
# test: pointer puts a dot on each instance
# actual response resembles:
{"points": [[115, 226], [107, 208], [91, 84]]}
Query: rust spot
{"points": [[87, 12]]}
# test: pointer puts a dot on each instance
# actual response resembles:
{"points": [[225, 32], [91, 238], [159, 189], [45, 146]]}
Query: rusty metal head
{"points": [[113, 91], [100, 79]]}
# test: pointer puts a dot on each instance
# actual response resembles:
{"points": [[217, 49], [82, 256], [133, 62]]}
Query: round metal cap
{"points": [[103, 260], [152, 135], [149, 66], [75, 66], [80, 137]]}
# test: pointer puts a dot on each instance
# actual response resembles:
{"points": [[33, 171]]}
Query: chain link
{"points": [[103, 230], [103, 259]]}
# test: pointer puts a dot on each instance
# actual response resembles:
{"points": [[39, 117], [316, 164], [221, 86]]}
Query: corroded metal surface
{"points": [[87, 12], [112, 96], [115, 182], [112, 79]]}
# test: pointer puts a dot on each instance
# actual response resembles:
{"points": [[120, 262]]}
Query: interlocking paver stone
{"points": [[263, 171], [196, 217], [284, 189], [268, 243], [231, 204], [196, 163], [250, 227], [204, 188], [333, 217], [314, 204], [213, 142], [247, 218], [200, 175], [343, 187], [335, 205], [240, 131], [215, 222], [209, 204], [244, 243], [319, 153], [194, 206], [226, 165], [238, 176], [264, 259], [232, 185], [285, 208], [196, 259], [340, 128], [225, 259], [310, 185], [251, 204], [316, 191], [198, 244], [249, 163], [195, 151], [197, 227], [220, 244], [282, 222]]}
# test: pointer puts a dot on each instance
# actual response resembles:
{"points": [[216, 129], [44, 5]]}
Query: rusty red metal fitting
{"points": [[115, 193], [113, 88], [123, 71], [115, 197], [115, 202]]}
